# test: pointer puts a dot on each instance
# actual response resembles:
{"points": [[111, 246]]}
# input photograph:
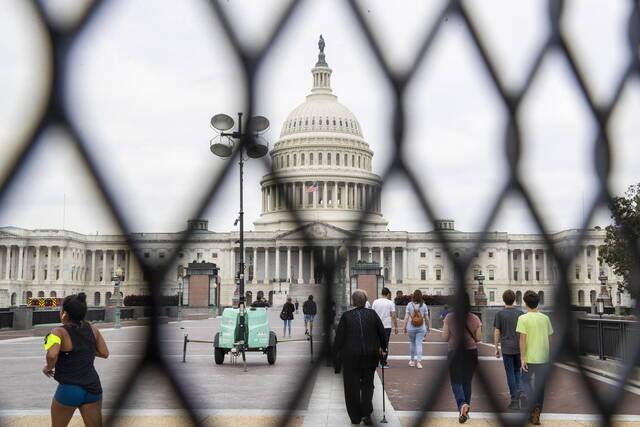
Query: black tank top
{"points": [[76, 366]]}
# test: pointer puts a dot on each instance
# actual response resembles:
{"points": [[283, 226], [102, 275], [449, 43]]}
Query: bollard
{"points": [[184, 348]]}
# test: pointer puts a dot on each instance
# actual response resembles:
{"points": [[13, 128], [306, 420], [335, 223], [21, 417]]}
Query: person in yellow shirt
{"points": [[534, 329]]}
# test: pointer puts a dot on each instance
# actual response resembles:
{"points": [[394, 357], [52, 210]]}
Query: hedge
{"points": [[428, 299]]}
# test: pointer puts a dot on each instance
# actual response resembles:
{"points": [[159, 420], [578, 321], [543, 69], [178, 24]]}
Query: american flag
{"points": [[313, 188]]}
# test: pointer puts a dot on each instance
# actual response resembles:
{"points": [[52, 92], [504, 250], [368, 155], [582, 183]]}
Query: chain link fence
{"points": [[55, 113]]}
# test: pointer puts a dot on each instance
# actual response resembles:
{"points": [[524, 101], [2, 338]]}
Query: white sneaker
{"points": [[412, 363], [419, 365]]}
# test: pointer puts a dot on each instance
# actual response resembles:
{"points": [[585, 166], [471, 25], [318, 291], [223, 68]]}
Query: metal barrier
{"points": [[6, 319], [54, 111], [41, 317], [608, 338]]}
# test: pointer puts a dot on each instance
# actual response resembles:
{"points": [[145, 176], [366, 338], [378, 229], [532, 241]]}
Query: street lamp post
{"points": [[481, 297], [116, 278], [224, 148], [180, 291], [605, 296]]}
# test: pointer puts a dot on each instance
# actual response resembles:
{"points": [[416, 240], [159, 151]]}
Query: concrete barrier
{"points": [[23, 318]]}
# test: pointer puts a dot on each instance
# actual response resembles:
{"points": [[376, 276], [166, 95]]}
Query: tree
{"points": [[618, 250]]}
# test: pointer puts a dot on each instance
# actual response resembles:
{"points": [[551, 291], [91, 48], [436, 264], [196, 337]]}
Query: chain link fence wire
{"points": [[55, 113]]}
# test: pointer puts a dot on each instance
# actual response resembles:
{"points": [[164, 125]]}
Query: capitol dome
{"points": [[321, 166]]}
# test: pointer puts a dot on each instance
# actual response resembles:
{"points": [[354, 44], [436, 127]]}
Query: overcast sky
{"points": [[148, 75]]}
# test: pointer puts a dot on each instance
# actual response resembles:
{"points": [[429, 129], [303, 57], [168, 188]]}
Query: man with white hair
{"points": [[361, 341]]}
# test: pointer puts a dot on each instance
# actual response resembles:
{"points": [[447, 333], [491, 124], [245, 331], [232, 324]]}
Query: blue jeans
{"points": [[415, 343], [287, 323], [462, 366], [532, 385], [512, 369]]}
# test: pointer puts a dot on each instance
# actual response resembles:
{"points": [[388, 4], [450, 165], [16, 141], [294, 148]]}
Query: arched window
{"points": [[346, 163], [541, 296], [329, 159], [337, 159], [13, 299], [107, 297], [53, 294], [319, 158], [592, 297], [353, 161], [40, 294], [287, 160], [310, 158], [96, 299], [295, 160], [29, 294], [358, 161], [302, 159], [519, 297], [580, 297]]}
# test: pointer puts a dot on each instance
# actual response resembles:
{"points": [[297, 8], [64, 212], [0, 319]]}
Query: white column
{"points": [[335, 195], [312, 279], [266, 265], [277, 263], [596, 273], [522, 266], [544, 265], [315, 197], [300, 253], [584, 265], [393, 265], [289, 263], [255, 265], [62, 263], [49, 255], [20, 262], [115, 260], [93, 266], [404, 265], [370, 254], [345, 196], [510, 265], [104, 266], [359, 253], [533, 265], [37, 269], [324, 192], [7, 263]]}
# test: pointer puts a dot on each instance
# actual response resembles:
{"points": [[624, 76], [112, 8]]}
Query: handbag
{"points": [[283, 315]]}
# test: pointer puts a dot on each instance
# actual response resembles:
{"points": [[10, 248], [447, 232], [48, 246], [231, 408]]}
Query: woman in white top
{"points": [[416, 326]]}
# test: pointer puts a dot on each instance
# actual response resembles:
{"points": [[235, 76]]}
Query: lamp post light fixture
{"points": [[605, 295], [481, 297], [223, 146], [116, 278]]}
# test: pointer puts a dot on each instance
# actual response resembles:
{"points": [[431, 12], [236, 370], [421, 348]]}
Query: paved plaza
{"points": [[225, 395]]}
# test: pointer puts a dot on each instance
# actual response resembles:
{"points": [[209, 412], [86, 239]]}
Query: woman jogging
{"points": [[71, 351], [287, 316]]}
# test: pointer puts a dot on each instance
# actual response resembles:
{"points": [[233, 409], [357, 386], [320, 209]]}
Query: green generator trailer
{"points": [[259, 336]]}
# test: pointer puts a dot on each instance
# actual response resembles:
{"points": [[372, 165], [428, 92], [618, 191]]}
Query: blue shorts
{"points": [[74, 395], [309, 317]]}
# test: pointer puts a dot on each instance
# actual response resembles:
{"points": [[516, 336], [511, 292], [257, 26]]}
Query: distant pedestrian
{"points": [[507, 343], [462, 364], [71, 351], [416, 325], [287, 316], [535, 329], [445, 311], [386, 310], [260, 301], [297, 304], [361, 342], [309, 310]]}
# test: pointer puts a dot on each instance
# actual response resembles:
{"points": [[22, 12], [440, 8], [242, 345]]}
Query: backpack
{"points": [[416, 317]]}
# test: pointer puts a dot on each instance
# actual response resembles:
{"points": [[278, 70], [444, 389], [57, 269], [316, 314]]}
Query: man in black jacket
{"points": [[361, 341], [309, 309]]}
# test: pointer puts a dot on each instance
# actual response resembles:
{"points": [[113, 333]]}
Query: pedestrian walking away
{"points": [[462, 363], [309, 310], [507, 343], [361, 341], [287, 316], [535, 329], [297, 304], [71, 351], [416, 325], [386, 310]]}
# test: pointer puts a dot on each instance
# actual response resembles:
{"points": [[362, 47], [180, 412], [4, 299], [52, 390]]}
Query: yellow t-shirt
{"points": [[537, 327]]}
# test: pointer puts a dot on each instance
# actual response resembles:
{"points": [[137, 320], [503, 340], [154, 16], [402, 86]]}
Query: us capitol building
{"points": [[322, 168]]}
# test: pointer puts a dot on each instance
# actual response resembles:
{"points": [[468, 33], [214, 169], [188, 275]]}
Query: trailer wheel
{"points": [[271, 354], [219, 355]]}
